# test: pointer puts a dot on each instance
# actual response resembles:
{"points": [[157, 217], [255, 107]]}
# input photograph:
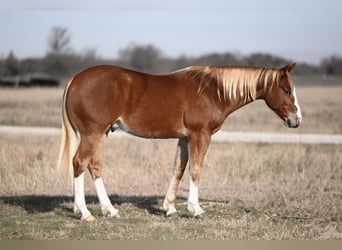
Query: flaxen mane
{"points": [[233, 83]]}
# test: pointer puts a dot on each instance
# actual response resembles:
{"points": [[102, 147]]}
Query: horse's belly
{"points": [[148, 128]]}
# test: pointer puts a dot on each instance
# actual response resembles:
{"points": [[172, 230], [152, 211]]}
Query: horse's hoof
{"points": [[200, 216], [89, 218], [116, 216], [108, 214]]}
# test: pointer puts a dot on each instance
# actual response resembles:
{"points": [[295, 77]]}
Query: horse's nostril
{"points": [[289, 123]]}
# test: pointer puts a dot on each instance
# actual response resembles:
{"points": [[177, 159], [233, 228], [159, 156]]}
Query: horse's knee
{"points": [[195, 174]]}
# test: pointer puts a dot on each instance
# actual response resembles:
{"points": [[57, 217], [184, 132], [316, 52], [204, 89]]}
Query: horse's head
{"points": [[281, 98]]}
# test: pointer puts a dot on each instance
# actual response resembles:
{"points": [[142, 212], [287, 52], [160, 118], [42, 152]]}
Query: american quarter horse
{"points": [[190, 104]]}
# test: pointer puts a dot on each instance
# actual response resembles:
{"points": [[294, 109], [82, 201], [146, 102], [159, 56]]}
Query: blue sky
{"points": [[299, 30]]}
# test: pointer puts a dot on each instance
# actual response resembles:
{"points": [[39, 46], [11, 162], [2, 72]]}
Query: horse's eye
{"points": [[287, 92]]}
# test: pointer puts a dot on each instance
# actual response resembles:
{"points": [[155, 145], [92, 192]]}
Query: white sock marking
{"points": [[169, 208], [193, 202], [106, 206], [80, 204]]}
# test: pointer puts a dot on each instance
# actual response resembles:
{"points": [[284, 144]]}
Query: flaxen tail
{"points": [[69, 139]]}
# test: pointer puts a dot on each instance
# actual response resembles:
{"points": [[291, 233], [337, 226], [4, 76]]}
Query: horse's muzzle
{"points": [[292, 123]]}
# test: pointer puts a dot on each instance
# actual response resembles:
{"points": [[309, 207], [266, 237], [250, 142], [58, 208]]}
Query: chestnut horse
{"points": [[190, 104]]}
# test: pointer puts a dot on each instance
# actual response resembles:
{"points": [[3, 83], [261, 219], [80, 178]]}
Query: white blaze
{"points": [[299, 113]]}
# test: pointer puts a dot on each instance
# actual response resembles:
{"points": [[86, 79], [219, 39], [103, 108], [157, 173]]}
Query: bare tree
{"points": [[59, 59], [332, 65], [59, 41], [12, 67], [141, 57]]}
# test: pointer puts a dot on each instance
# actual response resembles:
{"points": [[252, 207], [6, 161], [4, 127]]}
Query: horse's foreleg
{"points": [[198, 143], [95, 169], [181, 159]]}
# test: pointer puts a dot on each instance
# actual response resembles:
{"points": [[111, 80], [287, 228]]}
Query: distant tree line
{"points": [[150, 59], [62, 61]]}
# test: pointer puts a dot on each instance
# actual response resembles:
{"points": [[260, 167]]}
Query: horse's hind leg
{"points": [[82, 159], [87, 156], [95, 169]]}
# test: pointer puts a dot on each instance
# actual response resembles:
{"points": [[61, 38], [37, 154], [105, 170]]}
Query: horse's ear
{"points": [[289, 68]]}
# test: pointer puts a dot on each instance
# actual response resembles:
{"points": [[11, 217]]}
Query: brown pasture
{"points": [[249, 190]]}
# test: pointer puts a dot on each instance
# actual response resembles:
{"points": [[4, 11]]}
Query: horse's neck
{"points": [[267, 79]]}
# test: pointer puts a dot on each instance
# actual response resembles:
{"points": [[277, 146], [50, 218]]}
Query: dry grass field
{"points": [[249, 190], [277, 192]]}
